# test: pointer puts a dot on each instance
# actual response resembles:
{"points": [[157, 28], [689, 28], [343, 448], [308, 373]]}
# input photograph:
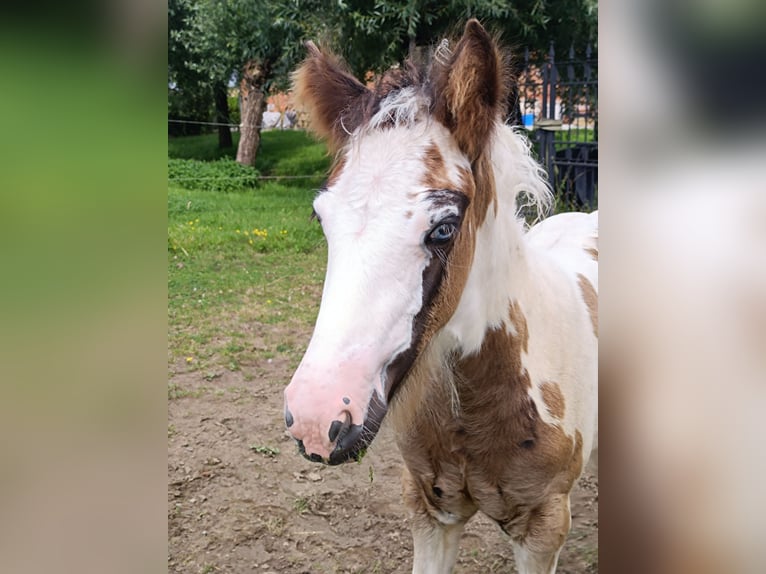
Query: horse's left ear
{"points": [[470, 89]]}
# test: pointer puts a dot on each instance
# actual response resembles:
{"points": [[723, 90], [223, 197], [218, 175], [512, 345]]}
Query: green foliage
{"points": [[234, 116], [220, 175], [222, 35], [190, 96], [376, 35]]}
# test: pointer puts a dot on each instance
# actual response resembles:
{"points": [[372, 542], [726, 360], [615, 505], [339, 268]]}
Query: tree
{"points": [[374, 35], [189, 95], [256, 43]]}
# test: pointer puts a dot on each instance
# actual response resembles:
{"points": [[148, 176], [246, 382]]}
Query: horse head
{"points": [[410, 188]]}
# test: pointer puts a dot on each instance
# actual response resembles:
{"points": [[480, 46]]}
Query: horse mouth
{"points": [[352, 441], [339, 455]]}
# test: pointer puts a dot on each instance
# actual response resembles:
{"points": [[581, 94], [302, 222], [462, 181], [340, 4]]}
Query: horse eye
{"points": [[442, 233]]}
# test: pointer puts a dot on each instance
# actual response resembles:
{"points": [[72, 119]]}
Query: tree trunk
{"points": [[222, 115], [253, 104]]}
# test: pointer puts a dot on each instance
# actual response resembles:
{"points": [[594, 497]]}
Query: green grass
{"points": [[281, 153], [268, 451], [576, 136], [204, 147], [241, 258]]}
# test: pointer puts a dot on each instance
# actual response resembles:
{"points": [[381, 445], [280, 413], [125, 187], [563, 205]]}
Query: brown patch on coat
{"points": [[593, 252], [337, 169], [397, 78], [436, 170], [479, 186], [467, 183], [591, 300], [495, 454], [452, 283], [553, 399]]}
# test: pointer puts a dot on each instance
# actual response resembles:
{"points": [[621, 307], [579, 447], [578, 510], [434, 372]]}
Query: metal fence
{"points": [[558, 102]]}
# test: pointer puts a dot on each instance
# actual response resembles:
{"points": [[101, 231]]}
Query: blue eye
{"points": [[442, 233]]}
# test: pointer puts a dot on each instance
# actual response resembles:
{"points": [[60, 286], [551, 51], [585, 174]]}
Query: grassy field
{"points": [[242, 256]]}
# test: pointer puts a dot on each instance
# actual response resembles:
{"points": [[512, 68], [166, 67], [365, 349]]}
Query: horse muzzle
{"points": [[331, 425]]}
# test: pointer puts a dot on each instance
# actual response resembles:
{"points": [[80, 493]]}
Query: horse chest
{"points": [[496, 454]]}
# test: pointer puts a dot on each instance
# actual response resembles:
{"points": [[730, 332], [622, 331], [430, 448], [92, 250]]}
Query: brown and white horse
{"points": [[479, 336]]}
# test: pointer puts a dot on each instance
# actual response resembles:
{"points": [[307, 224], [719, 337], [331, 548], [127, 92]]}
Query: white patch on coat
{"points": [[375, 217]]}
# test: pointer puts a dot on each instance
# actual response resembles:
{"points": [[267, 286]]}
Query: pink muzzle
{"points": [[333, 411]]}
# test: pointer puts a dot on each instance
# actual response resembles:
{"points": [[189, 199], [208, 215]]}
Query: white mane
{"points": [[518, 174]]}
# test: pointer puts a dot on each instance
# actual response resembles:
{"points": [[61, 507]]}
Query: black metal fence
{"points": [[558, 102]]}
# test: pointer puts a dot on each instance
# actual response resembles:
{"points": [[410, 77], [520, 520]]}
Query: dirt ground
{"points": [[242, 500]]}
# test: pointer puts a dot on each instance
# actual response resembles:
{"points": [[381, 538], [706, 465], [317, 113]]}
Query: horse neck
{"points": [[501, 272]]}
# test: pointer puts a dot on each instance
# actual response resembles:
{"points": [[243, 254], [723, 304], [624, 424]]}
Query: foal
{"points": [[480, 337]]}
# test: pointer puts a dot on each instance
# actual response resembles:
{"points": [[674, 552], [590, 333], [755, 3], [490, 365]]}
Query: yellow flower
{"points": [[189, 359], [268, 301], [237, 230], [250, 241]]}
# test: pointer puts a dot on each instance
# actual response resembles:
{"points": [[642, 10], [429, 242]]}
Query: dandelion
{"points": [[250, 241], [189, 359], [268, 301]]}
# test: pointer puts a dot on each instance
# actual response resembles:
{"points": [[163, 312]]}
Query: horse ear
{"points": [[334, 99], [470, 89]]}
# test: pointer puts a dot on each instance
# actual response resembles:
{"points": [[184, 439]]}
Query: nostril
{"points": [[334, 430], [337, 426], [288, 418]]}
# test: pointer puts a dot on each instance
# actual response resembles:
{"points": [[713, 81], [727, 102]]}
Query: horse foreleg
{"points": [[435, 533], [436, 546], [547, 529]]}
